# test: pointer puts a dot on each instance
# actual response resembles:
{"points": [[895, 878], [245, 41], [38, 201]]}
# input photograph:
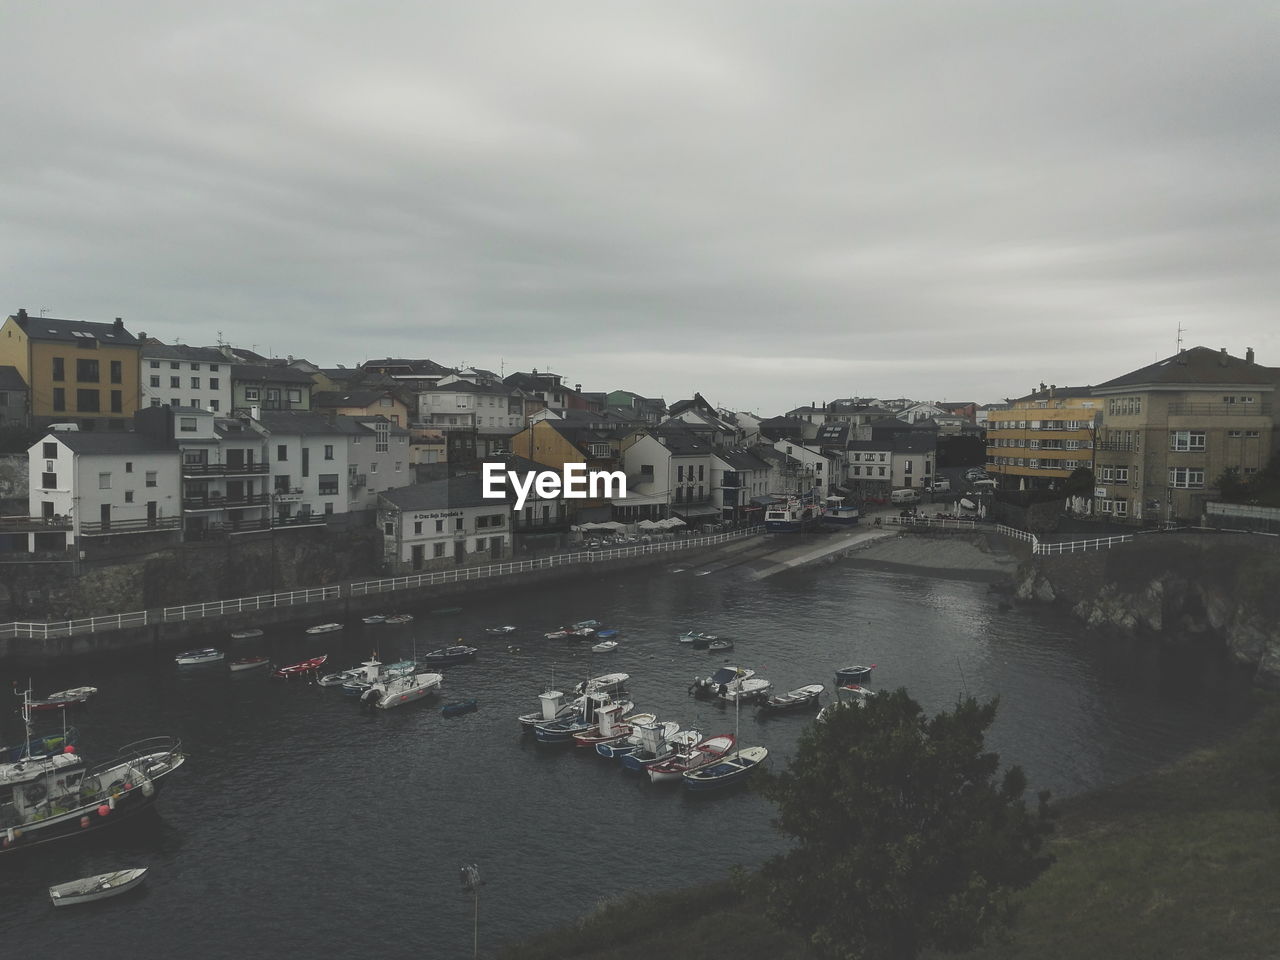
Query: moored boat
{"points": [[719, 681], [801, 698], [697, 639], [301, 669], [399, 618], [604, 646], [248, 663], [608, 634], [460, 707], [587, 625], [607, 683], [723, 645], [195, 658], [855, 674], [397, 691], [728, 770], [324, 628], [100, 887], [579, 721], [445, 655], [690, 758], [793, 515], [657, 743], [508, 628], [610, 726], [851, 694], [374, 618], [63, 699], [246, 634], [552, 706]]}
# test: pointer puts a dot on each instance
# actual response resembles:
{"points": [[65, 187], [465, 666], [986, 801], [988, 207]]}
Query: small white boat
{"points": [[246, 634], [100, 887], [400, 618], [607, 683], [967, 504], [604, 646], [374, 618], [79, 694], [398, 691], [248, 663], [191, 658], [503, 629], [324, 628]]}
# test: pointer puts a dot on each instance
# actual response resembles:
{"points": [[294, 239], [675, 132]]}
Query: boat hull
{"points": [[725, 772], [100, 887]]}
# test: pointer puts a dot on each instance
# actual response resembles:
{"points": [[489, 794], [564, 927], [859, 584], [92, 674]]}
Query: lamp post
{"points": [[469, 873]]}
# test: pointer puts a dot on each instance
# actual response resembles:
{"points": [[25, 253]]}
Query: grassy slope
{"points": [[1181, 863]]}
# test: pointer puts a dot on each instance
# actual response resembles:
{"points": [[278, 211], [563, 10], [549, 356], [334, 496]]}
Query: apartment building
{"points": [[1041, 438], [1170, 430], [182, 376]]}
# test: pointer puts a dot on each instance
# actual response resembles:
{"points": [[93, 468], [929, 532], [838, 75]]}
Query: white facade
{"points": [[470, 406], [913, 468], [170, 381], [813, 469], [377, 459], [650, 479], [871, 466]]}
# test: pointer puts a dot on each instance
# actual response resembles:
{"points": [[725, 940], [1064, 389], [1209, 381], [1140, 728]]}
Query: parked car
{"points": [[975, 473]]}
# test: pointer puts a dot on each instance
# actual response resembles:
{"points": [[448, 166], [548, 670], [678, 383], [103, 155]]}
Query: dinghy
{"points": [[324, 628], [606, 646], [246, 634], [100, 887], [248, 663], [459, 708], [801, 698], [194, 658]]}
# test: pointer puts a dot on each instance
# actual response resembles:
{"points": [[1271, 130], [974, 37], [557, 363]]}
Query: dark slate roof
{"points": [[769, 454], [541, 381], [355, 398], [876, 445], [93, 442], [696, 402], [153, 349], [1195, 366], [743, 460], [51, 328], [914, 443], [464, 491], [269, 374], [418, 368], [290, 422], [1057, 393], [833, 433], [11, 379]]}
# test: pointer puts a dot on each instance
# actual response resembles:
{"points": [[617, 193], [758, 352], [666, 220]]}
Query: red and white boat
{"points": [[299, 669], [64, 698], [691, 758], [611, 726], [248, 663]]}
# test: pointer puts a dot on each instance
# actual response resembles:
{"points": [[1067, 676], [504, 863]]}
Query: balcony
{"points": [[224, 469], [217, 502], [540, 524], [287, 494], [99, 529], [1117, 446], [33, 524], [1191, 409], [229, 528]]}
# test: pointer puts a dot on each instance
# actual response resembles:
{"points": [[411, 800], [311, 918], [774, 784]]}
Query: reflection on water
{"points": [[302, 821]]}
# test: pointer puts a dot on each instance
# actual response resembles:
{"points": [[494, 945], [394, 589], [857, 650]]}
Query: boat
{"points": [[374, 618], [801, 698], [399, 618], [503, 629], [301, 669], [64, 698], [40, 745], [657, 743], [720, 646], [248, 663], [557, 634], [194, 658], [447, 655], [373, 671], [837, 514], [851, 694], [324, 628], [459, 708], [966, 504], [855, 674], [611, 726], [746, 689], [606, 683], [726, 771], [553, 706], [690, 758], [712, 685], [608, 634], [793, 515], [100, 887], [246, 634], [397, 691], [36, 756], [605, 646], [697, 639], [579, 721], [587, 625]]}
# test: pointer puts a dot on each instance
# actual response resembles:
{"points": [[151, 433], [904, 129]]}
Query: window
{"points": [[437, 550], [151, 478], [175, 402], [59, 369], [1251, 434], [104, 481], [195, 383], [251, 393], [417, 526], [87, 371], [48, 481], [282, 452], [175, 383], [680, 473], [213, 383], [328, 451], [389, 528], [481, 544], [195, 366], [328, 484], [273, 397], [457, 523], [398, 465], [1186, 478], [1185, 440], [87, 401], [155, 401], [1122, 475], [439, 526], [128, 496], [50, 450], [381, 431], [295, 396], [155, 381], [213, 368], [174, 365], [155, 364], [117, 401], [700, 476], [187, 424]]}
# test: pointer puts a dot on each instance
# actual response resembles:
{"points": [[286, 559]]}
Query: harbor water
{"points": [[302, 823]]}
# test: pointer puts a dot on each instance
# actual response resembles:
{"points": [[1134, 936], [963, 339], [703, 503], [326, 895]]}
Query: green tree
{"points": [[1080, 483], [1230, 487], [904, 837]]}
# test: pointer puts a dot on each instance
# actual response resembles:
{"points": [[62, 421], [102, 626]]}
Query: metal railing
{"points": [[266, 601], [224, 469], [941, 523], [1017, 534], [1078, 546], [93, 528], [66, 628], [33, 524]]}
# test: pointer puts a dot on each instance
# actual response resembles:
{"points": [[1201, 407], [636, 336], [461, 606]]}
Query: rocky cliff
{"points": [[1220, 589]]}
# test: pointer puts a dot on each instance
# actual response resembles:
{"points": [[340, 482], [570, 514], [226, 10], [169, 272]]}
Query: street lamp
{"points": [[469, 874]]}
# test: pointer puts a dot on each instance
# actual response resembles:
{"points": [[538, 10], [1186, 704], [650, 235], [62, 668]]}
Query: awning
{"points": [[707, 511], [764, 501]]}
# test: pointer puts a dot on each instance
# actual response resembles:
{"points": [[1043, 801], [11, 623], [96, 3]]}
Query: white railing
{"points": [[942, 523], [266, 601], [65, 628], [1017, 534], [1077, 546], [524, 566]]}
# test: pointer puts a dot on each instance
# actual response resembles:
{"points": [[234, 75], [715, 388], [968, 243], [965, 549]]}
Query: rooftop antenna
{"points": [[44, 310], [1181, 329]]}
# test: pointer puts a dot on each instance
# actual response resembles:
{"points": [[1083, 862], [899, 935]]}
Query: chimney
{"points": [[1248, 355], [118, 326], [1222, 356], [1052, 387], [577, 388], [22, 313], [142, 336]]}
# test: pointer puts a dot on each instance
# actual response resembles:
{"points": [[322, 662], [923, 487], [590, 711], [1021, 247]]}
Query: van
{"points": [[63, 427], [941, 485], [907, 495]]}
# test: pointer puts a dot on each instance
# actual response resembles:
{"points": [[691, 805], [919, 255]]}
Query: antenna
{"points": [[1181, 330], [44, 310]]}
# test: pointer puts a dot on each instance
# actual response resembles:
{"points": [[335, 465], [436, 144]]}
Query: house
{"points": [[917, 412], [105, 484], [413, 374], [703, 418], [869, 468], [788, 428], [1171, 429], [648, 410], [669, 472], [741, 481], [182, 376], [77, 371], [1038, 440], [370, 402], [543, 521], [547, 388], [14, 398], [914, 458], [442, 525], [963, 408], [807, 469], [259, 387]]}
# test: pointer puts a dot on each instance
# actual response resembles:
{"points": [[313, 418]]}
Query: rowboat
{"points": [[447, 655], [193, 658], [855, 674], [459, 708], [399, 618], [100, 887], [690, 758], [248, 663], [246, 634], [697, 639], [801, 698], [64, 698], [726, 772], [301, 668], [324, 628], [374, 618], [719, 646], [606, 646], [608, 634]]}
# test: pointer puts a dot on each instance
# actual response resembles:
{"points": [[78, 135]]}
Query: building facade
{"points": [[182, 376], [1040, 439], [443, 525]]}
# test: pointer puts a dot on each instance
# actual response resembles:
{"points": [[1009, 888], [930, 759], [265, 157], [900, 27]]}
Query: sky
{"points": [[770, 203]]}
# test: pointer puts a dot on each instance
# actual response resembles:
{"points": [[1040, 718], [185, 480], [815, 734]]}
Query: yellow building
{"points": [[1041, 438], [79, 371]]}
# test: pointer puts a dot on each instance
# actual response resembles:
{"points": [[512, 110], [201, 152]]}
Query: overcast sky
{"points": [[770, 203]]}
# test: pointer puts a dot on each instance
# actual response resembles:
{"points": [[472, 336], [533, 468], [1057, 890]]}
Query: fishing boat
{"points": [[372, 671], [445, 655], [324, 628], [851, 694], [248, 663], [246, 634], [855, 674], [604, 646], [697, 639], [587, 625], [801, 698], [746, 689], [459, 708], [838, 514], [301, 669], [690, 758], [552, 706], [195, 658], [36, 756], [100, 887], [397, 691], [581, 720], [657, 743], [793, 515], [503, 629], [610, 726], [718, 681], [720, 646], [605, 683], [727, 771], [40, 745], [399, 618], [374, 618]]}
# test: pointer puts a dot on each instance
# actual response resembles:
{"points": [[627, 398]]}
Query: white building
{"points": [[182, 376], [808, 469], [739, 477], [442, 525]]}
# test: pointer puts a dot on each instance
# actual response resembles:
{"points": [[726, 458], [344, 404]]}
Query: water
{"points": [[300, 821]]}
